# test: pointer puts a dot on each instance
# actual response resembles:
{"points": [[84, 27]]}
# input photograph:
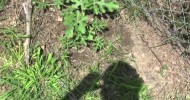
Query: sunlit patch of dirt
{"points": [[150, 58]]}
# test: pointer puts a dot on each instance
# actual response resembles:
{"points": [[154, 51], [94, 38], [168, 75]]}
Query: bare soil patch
{"points": [[150, 58]]}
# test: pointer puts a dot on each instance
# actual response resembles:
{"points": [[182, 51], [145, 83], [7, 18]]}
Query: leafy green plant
{"points": [[58, 3], [42, 4], [66, 43], [65, 58], [109, 49], [42, 80], [81, 18], [77, 19]]}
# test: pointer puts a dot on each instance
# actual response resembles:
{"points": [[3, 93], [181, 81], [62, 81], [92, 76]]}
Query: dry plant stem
{"points": [[28, 11]]}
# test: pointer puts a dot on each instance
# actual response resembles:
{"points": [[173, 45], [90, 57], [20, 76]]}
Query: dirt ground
{"points": [[162, 68], [150, 60]]}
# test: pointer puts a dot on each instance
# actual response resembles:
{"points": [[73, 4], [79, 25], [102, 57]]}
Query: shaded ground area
{"points": [[119, 81], [137, 45]]}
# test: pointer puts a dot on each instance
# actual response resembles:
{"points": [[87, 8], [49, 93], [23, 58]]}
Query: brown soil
{"points": [[137, 45], [150, 59]]}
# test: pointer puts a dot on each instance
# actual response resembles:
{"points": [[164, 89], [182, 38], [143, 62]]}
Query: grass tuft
{"points": [[2, 4], [41, 80]]}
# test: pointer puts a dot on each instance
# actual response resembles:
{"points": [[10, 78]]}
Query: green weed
{"points": [[135, 8], [92, 96], [144, 93], [76, 19], [82, 19], [163, 70], [98, 43], [109, 50], [58, 3], [95, 68], [2, 4], [41, 4], [65, 58]]}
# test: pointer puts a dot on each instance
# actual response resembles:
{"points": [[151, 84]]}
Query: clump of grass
{"points": [[41, 80], [11, 45], [44, 78], [83, 20], [135, 8]]}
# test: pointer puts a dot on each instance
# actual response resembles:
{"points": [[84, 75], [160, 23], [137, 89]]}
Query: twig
{"points": [[28, 11], [151, 50]]}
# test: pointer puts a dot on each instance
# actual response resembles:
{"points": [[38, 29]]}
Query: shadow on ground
{"points": [[119, 82]]}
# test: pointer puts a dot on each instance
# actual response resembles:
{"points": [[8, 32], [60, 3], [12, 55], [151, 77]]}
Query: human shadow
{"points": [[86, 85], [120, 81]]}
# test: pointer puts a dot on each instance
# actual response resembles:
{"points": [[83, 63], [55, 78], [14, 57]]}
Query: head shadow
{"points": [[120, 81]]}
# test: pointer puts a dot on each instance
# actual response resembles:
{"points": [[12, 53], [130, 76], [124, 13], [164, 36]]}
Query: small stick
{"points": [[28, 11]]}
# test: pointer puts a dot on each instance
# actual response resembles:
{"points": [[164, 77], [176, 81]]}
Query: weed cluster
{"points": [[45, 77], [82, 19]]}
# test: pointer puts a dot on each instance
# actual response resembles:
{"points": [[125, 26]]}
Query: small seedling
{"points": [[95, 68], [65, 58], [40, 4], [163, 70], [144, 93], [110, 49], [98, 43], [2, 4]]}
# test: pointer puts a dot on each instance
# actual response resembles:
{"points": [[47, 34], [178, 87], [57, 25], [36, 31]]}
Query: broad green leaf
{"points": [[102, 6], [69, 33], [96, 11], [112, 6], [69, 20], [84, 19], [90, 37], [80, 4], [82, 28], [102, 9]]}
